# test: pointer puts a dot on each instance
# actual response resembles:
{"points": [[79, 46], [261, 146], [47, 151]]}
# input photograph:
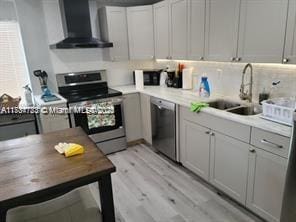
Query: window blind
{"points": [[13, 68]]}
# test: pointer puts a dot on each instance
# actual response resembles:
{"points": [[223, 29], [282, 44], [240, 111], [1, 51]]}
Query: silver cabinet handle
{"points": [[285, 60], [208, 132], [232, 59], [238, 59], [252, 151], [212, 134], [201, 58], [266, 142]]}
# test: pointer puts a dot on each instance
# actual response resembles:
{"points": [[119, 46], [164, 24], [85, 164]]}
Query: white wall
{"points": [[31, 20]]}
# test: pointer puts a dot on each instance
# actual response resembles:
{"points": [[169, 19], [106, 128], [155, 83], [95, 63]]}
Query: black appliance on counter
{"points": [[87, 89], [150, 77], [170, 78]]}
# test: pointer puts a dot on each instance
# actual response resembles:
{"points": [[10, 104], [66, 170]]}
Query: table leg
{"points": [[3, 213], [106, 194]]}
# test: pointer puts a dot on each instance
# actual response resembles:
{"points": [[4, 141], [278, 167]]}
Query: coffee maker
{"points": [[170, 78]]}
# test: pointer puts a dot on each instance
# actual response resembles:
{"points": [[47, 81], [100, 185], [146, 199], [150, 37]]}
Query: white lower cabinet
{"points": [[266, 180], [227, 158], [132, 117], [146, 118], [229, 166], [195, 148]]}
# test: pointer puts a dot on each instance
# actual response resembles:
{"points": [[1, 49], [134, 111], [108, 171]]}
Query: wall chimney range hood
{"points": [[77, 27]]}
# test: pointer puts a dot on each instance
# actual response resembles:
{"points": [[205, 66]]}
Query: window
{"points": [[13, 68]]}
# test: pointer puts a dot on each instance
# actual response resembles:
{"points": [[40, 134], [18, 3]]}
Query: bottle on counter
{"points": [[28, 95], [204, 87]]}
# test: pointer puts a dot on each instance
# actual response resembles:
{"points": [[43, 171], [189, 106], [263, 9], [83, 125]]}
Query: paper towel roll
{"points": [[139, 79], [187, 78]]}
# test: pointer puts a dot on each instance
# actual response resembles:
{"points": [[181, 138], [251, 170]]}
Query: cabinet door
{"points": [[8, 132], [229, 166], [222, 21], [140, 32], [117, 33], [266, 184], [262, 30], [51, 122], [195, 148], [161, 30], [290, 45], [178, 11], [196, 29], [132, 117], [146, 118]]}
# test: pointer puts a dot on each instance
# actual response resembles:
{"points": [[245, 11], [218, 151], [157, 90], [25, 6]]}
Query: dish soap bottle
{"points": [[204, 88]]}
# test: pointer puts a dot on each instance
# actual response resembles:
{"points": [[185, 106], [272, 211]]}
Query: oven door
{"points": [[102, 132]]}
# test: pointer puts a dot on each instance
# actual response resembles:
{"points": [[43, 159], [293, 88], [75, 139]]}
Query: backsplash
{"points": [[225, 78]]}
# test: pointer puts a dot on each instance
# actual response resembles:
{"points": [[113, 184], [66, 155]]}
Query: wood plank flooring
{"points": [[147, 188], [150, 188]]}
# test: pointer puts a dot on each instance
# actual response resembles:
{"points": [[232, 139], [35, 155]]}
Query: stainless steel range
{"points": [[88, 89]]}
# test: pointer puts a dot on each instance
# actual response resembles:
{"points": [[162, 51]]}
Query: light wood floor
{"points": [[149, 188]]}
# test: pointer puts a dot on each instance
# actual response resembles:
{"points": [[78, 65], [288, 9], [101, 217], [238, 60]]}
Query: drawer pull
{"points": [[264, 141], [208, 132]]}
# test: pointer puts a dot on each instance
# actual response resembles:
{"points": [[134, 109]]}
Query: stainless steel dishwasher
{"points": [[163, 117]]}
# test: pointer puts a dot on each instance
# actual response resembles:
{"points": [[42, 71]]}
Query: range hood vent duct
{"points": [[77, 27]]}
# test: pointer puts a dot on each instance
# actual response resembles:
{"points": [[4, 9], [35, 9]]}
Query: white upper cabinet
{"points": [[262, 30], [222, 22], [196, 29], [161, 30], [290, 46], [178, 12], [113, 24], [140, 32]]}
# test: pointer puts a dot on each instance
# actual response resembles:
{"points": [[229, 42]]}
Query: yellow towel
{"points": [[69, 149]]}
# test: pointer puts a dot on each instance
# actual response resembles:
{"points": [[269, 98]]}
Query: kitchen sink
{"points": [[223, 104], [246, 110]]}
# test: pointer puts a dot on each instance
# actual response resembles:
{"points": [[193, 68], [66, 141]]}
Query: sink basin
{"points": [[223, 104], [246, 110]]}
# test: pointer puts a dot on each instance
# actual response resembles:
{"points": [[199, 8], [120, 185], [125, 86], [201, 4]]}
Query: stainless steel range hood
{"points": [[77, 27]]}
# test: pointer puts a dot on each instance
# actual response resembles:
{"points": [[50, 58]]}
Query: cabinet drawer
{"points": [[270, 142], [224, 126]]}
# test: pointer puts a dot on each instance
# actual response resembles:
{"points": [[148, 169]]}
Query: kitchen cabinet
{"points": [[51, 117], [222, 25], [132, 117], [195, 148], [146, 118], [178, 27], [196, 29], [290, 46], [53, 122], [229, 165], [140, 32], [113, 26], [161, 30], [266, 184], [262, 30], [15, 126]]}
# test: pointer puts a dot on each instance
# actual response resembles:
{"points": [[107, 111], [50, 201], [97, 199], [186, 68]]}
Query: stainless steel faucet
{"points": [[247, 95]]}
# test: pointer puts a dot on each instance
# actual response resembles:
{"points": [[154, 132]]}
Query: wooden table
{"points": [[31, 171]]}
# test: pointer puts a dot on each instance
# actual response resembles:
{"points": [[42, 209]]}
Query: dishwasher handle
{"points": [[163, 104]]}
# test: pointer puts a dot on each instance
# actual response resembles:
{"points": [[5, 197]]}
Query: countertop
{"points": [[186, 97], [39, 102]]}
